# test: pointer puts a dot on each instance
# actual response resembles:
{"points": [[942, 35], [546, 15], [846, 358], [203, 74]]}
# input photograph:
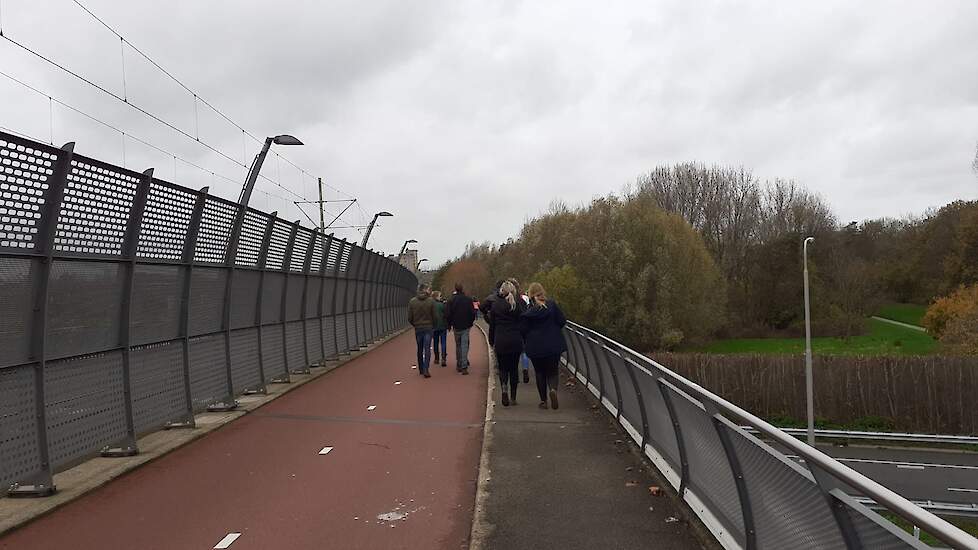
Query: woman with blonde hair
{"points": [[542, 326], [508, 340]]}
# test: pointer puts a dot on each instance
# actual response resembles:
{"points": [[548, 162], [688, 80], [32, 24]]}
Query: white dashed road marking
{"points": [[961, 490], [325, 450], [371, 407], [227, 541]]}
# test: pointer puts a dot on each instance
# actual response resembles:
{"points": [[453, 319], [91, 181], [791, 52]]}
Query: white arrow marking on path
{"points": [[227, 541]]}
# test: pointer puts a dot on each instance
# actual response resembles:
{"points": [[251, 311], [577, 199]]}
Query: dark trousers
{"points": [[546, 370], [423, 338], [508, 366], [440, 339]]}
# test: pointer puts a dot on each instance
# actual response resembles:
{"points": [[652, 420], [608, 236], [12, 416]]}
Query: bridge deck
{"points": [[416, 455]]}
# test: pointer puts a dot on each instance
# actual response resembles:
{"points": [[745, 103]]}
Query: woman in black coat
{"points": [[507, 339], [542, 327]]}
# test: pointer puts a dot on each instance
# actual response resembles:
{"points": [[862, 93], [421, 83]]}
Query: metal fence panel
{"points": [[273, 352], [85, 303], [787, 507], [127, 302], [15, 297], [158, 395], [208, 370], [84, 406], [19, 453], [244, 360], [156, 303]]}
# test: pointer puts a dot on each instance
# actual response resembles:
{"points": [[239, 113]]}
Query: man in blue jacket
{"points": [[459, 316]]}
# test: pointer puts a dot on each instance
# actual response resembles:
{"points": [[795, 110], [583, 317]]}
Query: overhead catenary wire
{"points": [[51, 100], [144, 111], [196, 95]]}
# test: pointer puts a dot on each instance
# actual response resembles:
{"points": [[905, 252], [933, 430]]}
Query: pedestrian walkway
{"points": [[566, 479], [368, 456]]}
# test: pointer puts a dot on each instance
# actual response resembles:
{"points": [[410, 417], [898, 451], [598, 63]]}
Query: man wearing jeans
{"points": [[459, 316], [421, 315]]}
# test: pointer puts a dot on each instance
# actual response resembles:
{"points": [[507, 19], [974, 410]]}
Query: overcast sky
{"points": [[465, 118]]}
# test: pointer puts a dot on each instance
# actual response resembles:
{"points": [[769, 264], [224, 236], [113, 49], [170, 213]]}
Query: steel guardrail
{"points": [[742, 521]]}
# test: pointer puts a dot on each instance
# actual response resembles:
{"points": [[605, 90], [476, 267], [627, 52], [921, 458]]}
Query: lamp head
{"points": [[409, 241], [286, 139], [384, 214]]}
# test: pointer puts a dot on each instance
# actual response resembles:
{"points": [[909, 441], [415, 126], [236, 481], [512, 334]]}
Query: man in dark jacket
{"points": [[421, 315], [459, 316]]}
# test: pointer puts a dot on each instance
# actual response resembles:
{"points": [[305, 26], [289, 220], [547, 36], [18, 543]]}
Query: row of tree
{"points": [[690, 252]]}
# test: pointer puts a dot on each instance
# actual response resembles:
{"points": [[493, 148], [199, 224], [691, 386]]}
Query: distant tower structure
{"points": [[410, 260]]}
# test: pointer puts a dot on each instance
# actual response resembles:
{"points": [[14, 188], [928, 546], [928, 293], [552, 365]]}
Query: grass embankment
{"points": [[968, 525], [911, 314], [881, 339]]}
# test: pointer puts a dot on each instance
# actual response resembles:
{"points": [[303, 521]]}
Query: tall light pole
{"points": [[417, 267], [370, 227], [249, 185], [403, 248], [809, 384]]}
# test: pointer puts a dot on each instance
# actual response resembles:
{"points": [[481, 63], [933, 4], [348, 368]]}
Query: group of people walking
{"points": [[525, 323], [523, 327], [432, 319]]}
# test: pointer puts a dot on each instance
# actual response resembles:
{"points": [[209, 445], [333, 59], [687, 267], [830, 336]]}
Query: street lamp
{"points": [[371, 227], [809, 392], [417, 267], [249, 185], [403, 248]]}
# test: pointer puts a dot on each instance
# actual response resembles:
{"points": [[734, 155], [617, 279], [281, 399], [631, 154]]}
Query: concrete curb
{"points": [[97, 472], [480, 528]]}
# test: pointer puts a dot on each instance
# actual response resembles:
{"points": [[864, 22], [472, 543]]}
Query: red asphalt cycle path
{"points": [[262, 475]]}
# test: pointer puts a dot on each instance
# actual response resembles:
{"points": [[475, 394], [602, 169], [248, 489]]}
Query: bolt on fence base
{"points": [[256, 391], [284, 379], [39, 490], [301, 371], [222, 406], [119, 452]]}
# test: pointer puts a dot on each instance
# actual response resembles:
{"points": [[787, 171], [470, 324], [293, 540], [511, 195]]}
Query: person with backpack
{"points": [[421, 315], [460, 316], [439, 333], [542, 327], [508, 339]]}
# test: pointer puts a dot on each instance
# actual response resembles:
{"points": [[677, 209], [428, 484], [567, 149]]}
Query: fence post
{"points": [[187, 259], [230, 256], [326, 240], [614, 379], [336, 286], [750, 533], [41, 484], [683, 458], [286, 271], [266, 240], [130, 241], [630, 369], [306, 264], [592, 340], [826, 484]]}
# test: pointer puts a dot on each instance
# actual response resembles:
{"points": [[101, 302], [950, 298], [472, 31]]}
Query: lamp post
{"points": [[403, 248], [249, 185], [371, 227], [809, 384], [418, 267]]}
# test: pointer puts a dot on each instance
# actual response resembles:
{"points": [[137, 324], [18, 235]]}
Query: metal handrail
{"points": [[883, 436], [936, 526]]}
